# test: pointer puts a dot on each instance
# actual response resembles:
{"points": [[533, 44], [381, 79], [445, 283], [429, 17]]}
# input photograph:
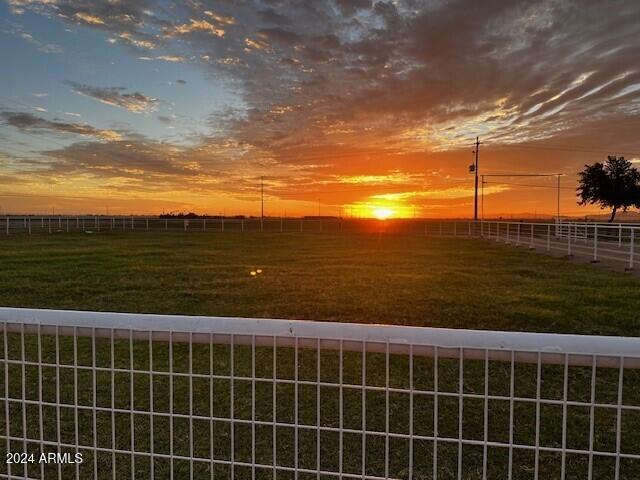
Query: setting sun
{"points": [[382, 213]]}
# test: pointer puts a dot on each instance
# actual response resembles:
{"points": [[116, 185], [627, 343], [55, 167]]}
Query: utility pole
{"points": [[475, 169], [558, 206], [261, 198], [482, 197]]}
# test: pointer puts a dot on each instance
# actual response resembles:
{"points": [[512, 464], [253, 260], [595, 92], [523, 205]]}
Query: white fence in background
{"points": [[155, 396], [614, 243], [13, 224]]}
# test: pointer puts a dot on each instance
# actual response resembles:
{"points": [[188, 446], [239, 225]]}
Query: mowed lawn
{"points": [[446, 282], [404, 280]]}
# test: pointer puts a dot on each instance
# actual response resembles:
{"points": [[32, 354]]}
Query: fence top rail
{"points": [[590, 225], [544, 343]]}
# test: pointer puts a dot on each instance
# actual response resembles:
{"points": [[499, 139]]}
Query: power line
{"points": [[530, 185]]}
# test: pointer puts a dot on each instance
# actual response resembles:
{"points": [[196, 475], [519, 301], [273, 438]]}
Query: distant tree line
{"points": [[191, 215], [614, 184]]}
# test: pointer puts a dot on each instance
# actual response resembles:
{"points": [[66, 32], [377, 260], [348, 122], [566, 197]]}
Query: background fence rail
{"points": [[612, 243], [156, 396], [600, 242]]}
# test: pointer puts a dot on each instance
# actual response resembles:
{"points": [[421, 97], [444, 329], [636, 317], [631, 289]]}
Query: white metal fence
{"points": [[31, 225], [613, 243], [154, 396], [13, 224]]}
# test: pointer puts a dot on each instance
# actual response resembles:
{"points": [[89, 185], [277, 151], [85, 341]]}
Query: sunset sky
{"points": [[342, 105]]}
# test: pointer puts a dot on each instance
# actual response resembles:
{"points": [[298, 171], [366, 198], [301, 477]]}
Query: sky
{"points": [[343, 107]]}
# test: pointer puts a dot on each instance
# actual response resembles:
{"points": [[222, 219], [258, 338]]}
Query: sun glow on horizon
{"points": [[382, 213]]}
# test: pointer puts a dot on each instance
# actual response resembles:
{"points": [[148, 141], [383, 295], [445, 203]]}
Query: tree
{"points": [[614, 184]]}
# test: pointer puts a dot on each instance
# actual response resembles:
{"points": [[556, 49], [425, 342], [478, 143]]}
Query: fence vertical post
{"points": [[440, 225], [49, 226], [631, 254], [595, 243], [147, 223], [83, 228], [42, 222], [77, 223], [548, 237], [425, 229], [508, 225], [469, 225], [132, 223], [165, 224], [67, 224], [7, 225], [29, 225], [455, 229], [204, 225], [59, 222], [184, 224], [518, 235], [280, 224], [320, 225], [619, 235], [531, 243], [300, 225], [222, 224], [242, 225], [569, 239], [261, 224], [98, 223]]}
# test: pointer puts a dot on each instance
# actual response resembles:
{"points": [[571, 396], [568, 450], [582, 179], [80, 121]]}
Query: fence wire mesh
{"points": [[177, 404]]}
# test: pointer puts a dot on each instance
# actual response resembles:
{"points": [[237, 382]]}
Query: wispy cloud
{"points": [[88, 18], [192, 26], [166, 58], [116, 96], [18, 31], [31, 123]]}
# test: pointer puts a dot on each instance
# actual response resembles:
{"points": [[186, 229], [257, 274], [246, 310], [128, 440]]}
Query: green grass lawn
{"points": [[360, 278], [457, 283]]}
